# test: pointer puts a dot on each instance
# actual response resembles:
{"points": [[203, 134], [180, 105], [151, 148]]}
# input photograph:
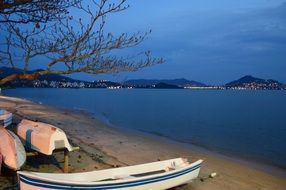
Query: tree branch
{"points": [[75, 46]]}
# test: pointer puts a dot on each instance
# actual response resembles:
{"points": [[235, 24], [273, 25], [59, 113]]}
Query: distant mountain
{"points": [[59, 81], [250, 82], [178, 82], [6, 71]]}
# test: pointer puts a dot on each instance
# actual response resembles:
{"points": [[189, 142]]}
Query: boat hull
{"points": [[42, 137], [153, 182], [12, 150], [5, 118], [0, 162]]}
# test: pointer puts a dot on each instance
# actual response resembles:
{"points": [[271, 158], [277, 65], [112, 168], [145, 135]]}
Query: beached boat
{"points": [[42, 137], [0, 162], [152, 176], [12, 150], [5, 118]]}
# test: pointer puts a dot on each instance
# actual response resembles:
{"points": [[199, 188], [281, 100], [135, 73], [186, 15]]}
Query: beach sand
{"points": [[102, 146]]}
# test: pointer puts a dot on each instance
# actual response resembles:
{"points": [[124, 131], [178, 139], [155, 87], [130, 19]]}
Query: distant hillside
{"points": [[6, 71], [250, 82], [52, 81], [247, 82], [178, 82]]}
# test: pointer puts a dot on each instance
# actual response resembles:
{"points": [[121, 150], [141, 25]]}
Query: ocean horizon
{"points": [[244, 124]]}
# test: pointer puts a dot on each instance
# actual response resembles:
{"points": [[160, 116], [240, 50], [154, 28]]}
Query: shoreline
{"points": [[259, 165], [117, 147], [250, 161], [256, 163]]}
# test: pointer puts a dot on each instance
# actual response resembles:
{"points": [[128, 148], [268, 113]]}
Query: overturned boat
{"points": [[42, 137], [5, 118], [152, 176], [0, 162], [12, 151]]}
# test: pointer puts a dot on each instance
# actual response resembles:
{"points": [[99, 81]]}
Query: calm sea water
{"points": [[248, 124]]}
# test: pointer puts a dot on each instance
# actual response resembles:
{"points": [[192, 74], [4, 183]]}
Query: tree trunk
{"points": [[12, 77]]}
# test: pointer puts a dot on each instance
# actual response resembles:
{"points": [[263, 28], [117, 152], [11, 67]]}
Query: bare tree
{"points": [[29, 11], [74, 45], [25, 11]]}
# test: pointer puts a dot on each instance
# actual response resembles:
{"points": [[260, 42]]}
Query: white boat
{"points": [[152, 176], [5, 118], [12, 151], [42, 137]]}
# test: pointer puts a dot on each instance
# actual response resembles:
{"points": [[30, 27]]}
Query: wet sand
{"points": [[102, 146]]}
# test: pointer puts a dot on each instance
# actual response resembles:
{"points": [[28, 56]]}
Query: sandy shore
{"points": [[106, 147]]}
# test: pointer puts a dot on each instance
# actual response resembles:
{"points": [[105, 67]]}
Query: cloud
{"points": [[234, 43], [223, 35]]}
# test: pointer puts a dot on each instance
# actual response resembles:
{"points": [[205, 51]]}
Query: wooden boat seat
{"points": [[117, 177], [149, 173], [123, 176], [171, 167]]}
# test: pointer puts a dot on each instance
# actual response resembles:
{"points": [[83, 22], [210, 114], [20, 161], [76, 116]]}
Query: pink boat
{"points": [[0, 162], [12, 151], [42, 137]]}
